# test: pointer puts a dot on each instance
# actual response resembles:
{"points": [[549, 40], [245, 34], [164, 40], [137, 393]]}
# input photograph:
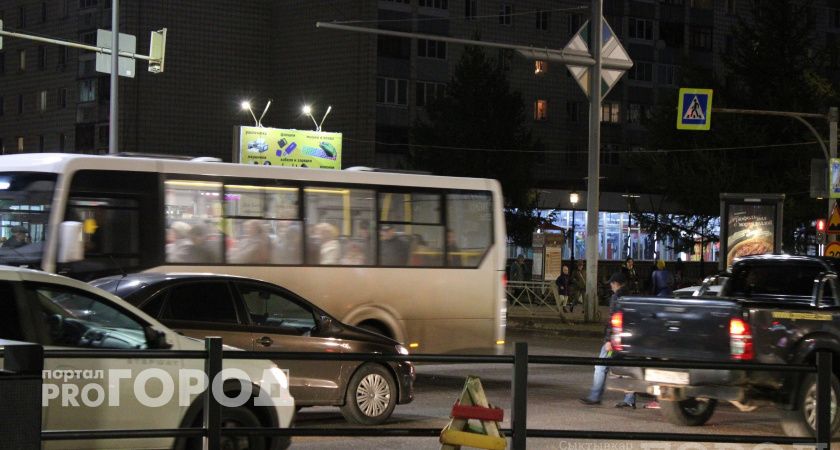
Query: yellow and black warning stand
{"points": [[472, 407]]}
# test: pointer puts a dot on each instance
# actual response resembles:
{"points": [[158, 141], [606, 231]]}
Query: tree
{"points": [[774, 64], [477, 129]]}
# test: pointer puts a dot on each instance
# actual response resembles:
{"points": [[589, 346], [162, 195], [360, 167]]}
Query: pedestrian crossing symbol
{"points": [[695, 109]]}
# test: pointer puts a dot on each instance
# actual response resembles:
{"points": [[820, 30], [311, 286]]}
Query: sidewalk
{"points": [[546, 320]]}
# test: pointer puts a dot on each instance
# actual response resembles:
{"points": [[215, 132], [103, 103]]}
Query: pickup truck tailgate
{"points": [[677, 328]]}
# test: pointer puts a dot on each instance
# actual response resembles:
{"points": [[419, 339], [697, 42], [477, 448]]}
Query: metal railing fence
{"points": [[213, 356]]}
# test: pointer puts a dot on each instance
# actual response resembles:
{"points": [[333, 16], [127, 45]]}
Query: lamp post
{"points": [[307, 110], [246, 106], [573, 199]]}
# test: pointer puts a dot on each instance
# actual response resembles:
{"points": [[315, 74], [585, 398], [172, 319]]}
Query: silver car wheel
{"points": [[373, 395], [810, 406]]}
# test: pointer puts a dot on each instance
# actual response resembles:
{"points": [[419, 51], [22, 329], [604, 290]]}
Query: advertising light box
{"points": [[750, 225], [290, 148]]}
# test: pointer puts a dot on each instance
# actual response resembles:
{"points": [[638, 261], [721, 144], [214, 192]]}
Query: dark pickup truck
{"points": [[772, 309]]}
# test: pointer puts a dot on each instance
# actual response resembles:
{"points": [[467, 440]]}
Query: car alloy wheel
{"points": [[373, 395]]}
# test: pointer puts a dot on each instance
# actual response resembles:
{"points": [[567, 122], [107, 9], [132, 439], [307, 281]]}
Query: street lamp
{"points": [[307, 110], [573, 199], [246, 106]]}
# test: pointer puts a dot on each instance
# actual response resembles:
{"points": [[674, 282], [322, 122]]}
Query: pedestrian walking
{"points": [[577, 286], [662, 281], [562, 283], [618, 284]]}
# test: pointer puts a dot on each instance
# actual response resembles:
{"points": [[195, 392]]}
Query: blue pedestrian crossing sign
{"points": [[695, 109]]}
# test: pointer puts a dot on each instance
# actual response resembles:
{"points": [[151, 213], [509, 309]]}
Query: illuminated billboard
{"points": [[291, 148]]}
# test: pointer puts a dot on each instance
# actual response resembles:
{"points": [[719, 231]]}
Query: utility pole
{"points": [[114, 126], [157, 50], [593, 193]]}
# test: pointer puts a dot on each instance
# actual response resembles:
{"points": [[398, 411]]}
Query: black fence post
{"points": [[519, 415], [824, 399], [212, 408]]}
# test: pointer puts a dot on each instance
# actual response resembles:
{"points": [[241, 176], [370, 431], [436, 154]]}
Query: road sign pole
{"points": [[593, 188], [832, 151], [113, 124]]}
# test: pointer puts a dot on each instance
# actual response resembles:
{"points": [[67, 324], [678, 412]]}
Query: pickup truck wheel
{"points": [[691, 412], [802, 420]]}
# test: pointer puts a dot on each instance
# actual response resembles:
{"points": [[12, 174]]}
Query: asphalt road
{"points": [[553, 393]]}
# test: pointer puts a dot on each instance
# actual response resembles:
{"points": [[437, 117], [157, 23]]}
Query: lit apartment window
{"points": [[22, 60], [540, 66], [19, 140], [542, 20], [470, 9], [541, 109], [431, 49], [437, 4], [640, 29], [42, 101], [506, 14], [391, 91], [611, 112]]}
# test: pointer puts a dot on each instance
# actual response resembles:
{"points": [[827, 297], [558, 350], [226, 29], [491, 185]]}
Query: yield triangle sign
{"points": [[834, 221], [611, 48]]}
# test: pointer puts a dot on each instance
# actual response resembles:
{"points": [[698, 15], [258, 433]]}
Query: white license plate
{"points": [[666, 376]]}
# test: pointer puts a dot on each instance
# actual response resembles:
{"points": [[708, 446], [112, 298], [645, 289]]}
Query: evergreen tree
{"points": [[479, 112]]}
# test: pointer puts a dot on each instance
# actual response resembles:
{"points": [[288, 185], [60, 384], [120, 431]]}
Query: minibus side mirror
{"points": [[71, 245]]}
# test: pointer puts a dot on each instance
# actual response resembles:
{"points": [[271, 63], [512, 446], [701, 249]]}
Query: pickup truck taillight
{"points": [[617, 324], [740, 340]]}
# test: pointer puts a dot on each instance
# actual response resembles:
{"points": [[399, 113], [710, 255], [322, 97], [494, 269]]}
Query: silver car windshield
{"points": [[25, 199]]}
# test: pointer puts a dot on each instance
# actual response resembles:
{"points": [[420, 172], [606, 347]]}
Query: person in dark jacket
{"points": [[618, 284], [662, 282], [18, 238], [562, 283], [629, 271]]}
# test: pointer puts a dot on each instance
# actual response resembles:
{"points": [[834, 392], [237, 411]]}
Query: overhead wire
{"points": [[625, 152]]}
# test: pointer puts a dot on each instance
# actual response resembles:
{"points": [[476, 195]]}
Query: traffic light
{"points": [[821, 231]]}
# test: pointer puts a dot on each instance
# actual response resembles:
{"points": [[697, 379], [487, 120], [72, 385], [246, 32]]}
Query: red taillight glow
{"points": [[617, 320], [740, 339], [617, 323], [737, 327], [504, 280]]}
